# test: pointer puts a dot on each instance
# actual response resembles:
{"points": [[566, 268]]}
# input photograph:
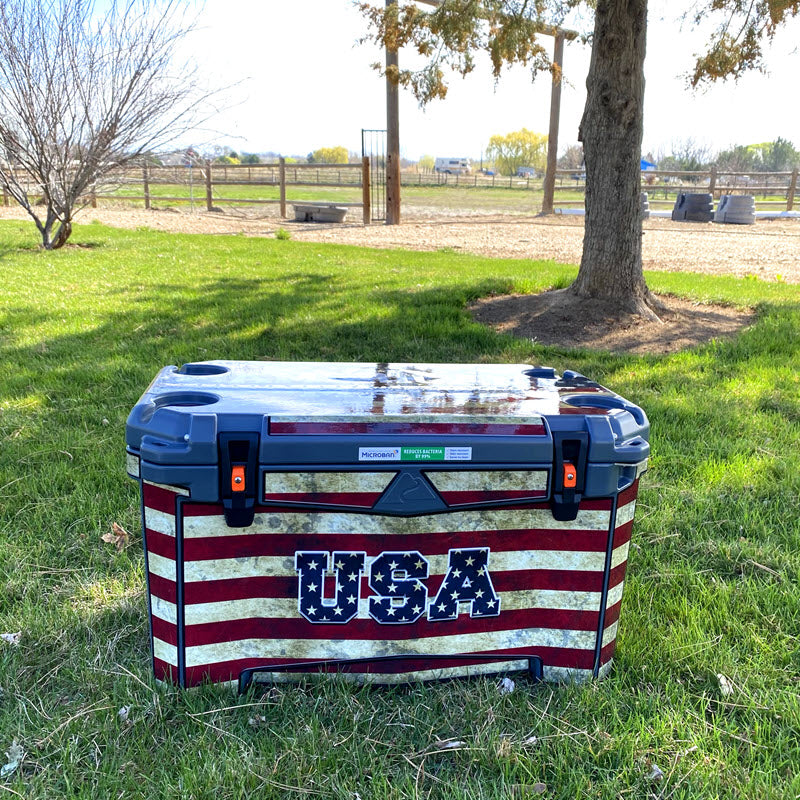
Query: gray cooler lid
{"points": [[180, 416]]}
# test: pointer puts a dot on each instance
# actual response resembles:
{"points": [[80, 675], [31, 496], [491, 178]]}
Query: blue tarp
{"points": [[645, 164]]}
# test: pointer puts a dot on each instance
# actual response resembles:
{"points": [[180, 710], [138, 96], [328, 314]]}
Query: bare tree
{"points": [[86, 89]]}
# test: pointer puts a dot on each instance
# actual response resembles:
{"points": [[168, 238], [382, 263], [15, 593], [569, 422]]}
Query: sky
{"points": [[300, 81]]}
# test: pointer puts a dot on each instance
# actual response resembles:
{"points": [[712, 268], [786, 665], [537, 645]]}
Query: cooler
{"points": [[394, 521]]}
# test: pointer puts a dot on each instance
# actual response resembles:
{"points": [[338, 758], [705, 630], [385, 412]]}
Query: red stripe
{"points": [[362, 499], [162, 588], [215, 510], [623, 534], [612, 614], [607, 653], [161, 544], [552, 657], [165, 631], [617, 575], [462, 498], [165, 672], [287, 587], [285, 545], [409, 428], [159, 499], [628, 495]]}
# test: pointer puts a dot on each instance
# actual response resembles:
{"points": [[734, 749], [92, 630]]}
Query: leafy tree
{"points": [[329, 155], [611, 128], [739, 158], [426, 163], [86, 89], [522, 148], [686, 155], [777, 156], [250, 158], [571, 158]]}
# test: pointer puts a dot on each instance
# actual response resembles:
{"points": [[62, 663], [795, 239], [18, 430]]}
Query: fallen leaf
{"points": [[11, 638], [257, 720], [725, 685], [14, 754], [538, 788], [123, 713], [655, 774], [118, 537]]}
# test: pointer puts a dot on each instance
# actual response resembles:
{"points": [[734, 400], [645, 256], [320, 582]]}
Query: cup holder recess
{"points": [[203, 369], [185, 399]]}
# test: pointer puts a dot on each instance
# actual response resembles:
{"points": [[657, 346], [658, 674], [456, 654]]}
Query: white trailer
{"points": [[452, 166]]}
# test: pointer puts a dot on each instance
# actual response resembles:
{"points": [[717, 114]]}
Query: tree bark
{"points": [[611, 132]]}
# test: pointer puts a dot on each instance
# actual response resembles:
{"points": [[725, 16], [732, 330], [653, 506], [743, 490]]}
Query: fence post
{"points": [[365, 190], [93, 198], [146, 184], [282, 179], [792, 190], [712, 183], [209, 192]]}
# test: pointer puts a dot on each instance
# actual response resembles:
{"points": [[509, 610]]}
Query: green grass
{"points": [[713, 584]]}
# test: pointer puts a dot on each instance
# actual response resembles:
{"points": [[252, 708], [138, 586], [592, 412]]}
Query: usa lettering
{"points": [[329, 586]]}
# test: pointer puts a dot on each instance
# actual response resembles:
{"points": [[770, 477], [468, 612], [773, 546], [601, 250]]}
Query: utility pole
{"points": [[392, 135], [552, 137]]}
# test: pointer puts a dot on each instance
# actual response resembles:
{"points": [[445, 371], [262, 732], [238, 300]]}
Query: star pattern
{"points": [[311, 568], [467, 581], [400, 597]]}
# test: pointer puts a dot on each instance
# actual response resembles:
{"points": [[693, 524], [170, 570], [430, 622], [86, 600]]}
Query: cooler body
{"points": [[397, 522]]}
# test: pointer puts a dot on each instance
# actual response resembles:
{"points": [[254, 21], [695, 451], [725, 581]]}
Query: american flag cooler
{"points": [[397, 522]]}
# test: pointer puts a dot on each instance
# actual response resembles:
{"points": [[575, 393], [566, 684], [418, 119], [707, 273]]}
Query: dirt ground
{"points": [[768, 250]]}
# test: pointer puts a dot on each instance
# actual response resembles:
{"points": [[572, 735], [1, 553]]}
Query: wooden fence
{"points": [[212, 180]]}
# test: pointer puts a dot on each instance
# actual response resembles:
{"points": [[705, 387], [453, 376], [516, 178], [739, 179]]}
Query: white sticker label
{"points": [[437, 453], [378, 453], [458, 454]]}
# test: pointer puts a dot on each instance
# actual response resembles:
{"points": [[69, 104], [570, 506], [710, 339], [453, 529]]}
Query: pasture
{"points": [[703, 700]]}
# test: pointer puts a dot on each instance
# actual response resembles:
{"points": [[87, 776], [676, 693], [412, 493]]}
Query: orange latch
{"points": [[570, 475], [237, 479]]}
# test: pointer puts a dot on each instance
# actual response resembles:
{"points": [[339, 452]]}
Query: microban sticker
{"points": [[414, 453]]}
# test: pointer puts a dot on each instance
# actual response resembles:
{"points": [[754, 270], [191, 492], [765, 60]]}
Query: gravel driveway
{"points": [[769, 250]]}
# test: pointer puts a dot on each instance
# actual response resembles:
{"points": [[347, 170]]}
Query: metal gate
{"points": [[373, 146]]}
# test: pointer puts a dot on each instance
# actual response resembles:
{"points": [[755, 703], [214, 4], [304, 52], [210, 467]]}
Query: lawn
{"points": [[713, 584]]}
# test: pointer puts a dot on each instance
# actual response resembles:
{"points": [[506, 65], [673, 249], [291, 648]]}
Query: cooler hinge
{"points": [[569, 472], [238, 475]]}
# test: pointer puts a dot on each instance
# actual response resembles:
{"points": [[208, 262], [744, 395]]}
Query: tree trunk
{"points": [[611, 132]]}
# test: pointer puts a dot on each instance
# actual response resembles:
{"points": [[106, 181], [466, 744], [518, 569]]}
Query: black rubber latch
{"points": [[571, 450], [238, 477]]}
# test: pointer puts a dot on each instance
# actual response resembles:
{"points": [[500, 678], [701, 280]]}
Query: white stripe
{"points": [[304, 482], [166, 652], [283, 566], [286, 608], [466, 671], [566, 675], [159, 522], [333, 522], [163, 567], [625, 513], [614, 595], [434, 645], [489, 480], [620, 555], [610, 633], [163, 609], [132, 465], [168, 488]]}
